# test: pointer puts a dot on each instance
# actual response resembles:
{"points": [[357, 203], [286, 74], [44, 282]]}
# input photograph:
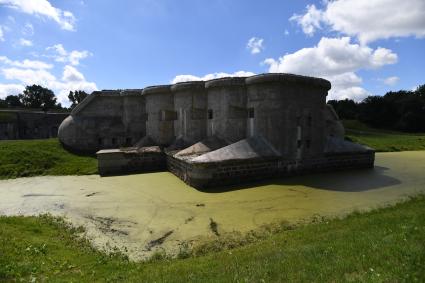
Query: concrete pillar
{"points": [[190, 103], [227, 113], [160, 114]]}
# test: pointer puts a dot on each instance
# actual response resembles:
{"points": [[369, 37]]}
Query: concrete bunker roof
{"points": [[227, 81], [249, 148], [131, 92], [288, 79], [156, 89], [193, 85]]}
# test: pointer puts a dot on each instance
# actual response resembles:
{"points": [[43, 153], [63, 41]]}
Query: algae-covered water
{"points": [[146, 212]]}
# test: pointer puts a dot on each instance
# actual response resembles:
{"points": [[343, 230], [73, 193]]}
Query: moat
{"points": [[131, 212]]}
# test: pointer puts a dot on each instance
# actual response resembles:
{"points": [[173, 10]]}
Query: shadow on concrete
{"points": [[358, 180]]}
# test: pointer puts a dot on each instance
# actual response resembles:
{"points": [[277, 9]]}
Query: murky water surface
{"points": [[149, 211]]}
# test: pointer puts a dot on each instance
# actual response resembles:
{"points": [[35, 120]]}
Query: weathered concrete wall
{"points": [[29, 124], [190, 103], [134, 116], [288, 111], [130, 160], [227, 111], [161, 114], [105, 119]]}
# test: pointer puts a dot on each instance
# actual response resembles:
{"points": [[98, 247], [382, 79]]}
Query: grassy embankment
{"points": [[25, 158], [385, 245], [383, 140]]}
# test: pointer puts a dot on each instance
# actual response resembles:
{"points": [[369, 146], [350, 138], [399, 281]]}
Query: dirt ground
{"points": [[143, 213]]}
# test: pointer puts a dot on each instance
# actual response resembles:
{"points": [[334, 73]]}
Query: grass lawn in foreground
{"points": [[383, 140], [23, 158], [385, 245]]}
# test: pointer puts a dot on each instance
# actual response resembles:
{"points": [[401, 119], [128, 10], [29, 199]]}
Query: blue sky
{"points": [[363, 47]]}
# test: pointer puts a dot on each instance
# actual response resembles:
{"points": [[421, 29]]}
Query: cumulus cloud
{"points": [[310, 21], [367, 20], [73, 57], [31, 64], [336, 59], [332, 56], [10, 89], [29, 76], [255, 45], [25, 42], [65, 19], [391, 80], [29, 72], [71, 74], [188, 78]]}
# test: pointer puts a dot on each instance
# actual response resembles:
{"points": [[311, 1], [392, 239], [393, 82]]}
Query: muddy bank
{"points": [[143, 213]]}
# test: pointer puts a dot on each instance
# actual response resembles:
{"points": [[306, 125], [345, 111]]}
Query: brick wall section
{"points": [[237, 172]]}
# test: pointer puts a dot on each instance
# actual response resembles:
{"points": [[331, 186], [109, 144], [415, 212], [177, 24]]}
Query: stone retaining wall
{"points": [[237, 172], [116, 161]]}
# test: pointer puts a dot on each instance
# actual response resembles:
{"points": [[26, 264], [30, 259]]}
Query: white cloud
{"points": [[347, 86], [310, 21], [25, 42], [188, 78], [30, 64], [29, 72], [286, 32], [1, 33], [255, 45], [332, 56], [367, 20], [28, 76], [10, 89], [28, 29], [65, 19], [335, 59], [391, 80], [70, 74], [73, 57]]}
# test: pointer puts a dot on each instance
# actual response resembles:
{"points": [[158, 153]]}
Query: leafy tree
{"points": [[76, 97], [36, 96], [346, 109], [397, 110], [3, 103], [13, 101]]}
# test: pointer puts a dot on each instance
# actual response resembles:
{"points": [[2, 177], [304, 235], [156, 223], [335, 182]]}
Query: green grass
{"points": [[383, 140], [385, 245], [25, 158]]}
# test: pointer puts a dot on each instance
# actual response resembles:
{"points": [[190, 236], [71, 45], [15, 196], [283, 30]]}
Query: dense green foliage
{"points": [[36, 96], [383, 140], [401, 110], [76, 97], [384, 245], [41, 157]]}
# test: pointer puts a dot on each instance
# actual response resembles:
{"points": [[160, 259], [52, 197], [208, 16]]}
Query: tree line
{"points": [[401, 110], [38, 97]]}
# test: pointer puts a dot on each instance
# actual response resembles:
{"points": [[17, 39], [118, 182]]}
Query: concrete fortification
{"points": [[218, 132]]}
